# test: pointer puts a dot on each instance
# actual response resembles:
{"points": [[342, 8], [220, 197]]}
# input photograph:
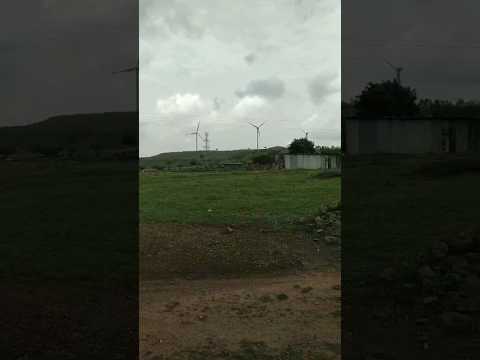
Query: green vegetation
{"points": [[301, 146], [395, 208], [274, 197], [203, 159], [70, 134], [68, 220]]}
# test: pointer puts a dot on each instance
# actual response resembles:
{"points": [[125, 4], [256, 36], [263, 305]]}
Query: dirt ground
{"points": [[198, 301]]}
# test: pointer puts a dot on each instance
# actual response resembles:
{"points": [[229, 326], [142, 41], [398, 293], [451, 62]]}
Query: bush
{"points": [[264, 159], [301, 146]]}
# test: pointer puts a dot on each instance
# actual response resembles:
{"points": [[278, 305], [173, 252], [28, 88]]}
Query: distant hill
{"points": [[98, 131], [211, 158]]}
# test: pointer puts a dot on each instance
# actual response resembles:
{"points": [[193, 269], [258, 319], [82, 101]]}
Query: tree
{"points": [[386, 99], [301, 146], [449, 109], [329, 150]]}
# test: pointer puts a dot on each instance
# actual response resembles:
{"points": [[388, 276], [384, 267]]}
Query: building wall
{"points": [[411, 136], [327, 162]]}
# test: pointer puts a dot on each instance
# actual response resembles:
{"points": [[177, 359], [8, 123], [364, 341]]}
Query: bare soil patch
{"points": [[238, 292], [200, 251], [288, 317]]}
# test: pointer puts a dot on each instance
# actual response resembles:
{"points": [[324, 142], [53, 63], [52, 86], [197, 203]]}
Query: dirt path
{"points": [[297, 316]]}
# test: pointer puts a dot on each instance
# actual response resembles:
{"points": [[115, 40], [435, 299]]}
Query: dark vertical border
{"points": [[69, 181], [410, 200]]}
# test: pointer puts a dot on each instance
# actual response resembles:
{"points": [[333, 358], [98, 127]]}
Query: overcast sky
{"points": [[435, 41], [57, 57], [225, 63]]}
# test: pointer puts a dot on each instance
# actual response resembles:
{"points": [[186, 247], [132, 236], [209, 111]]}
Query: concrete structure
{"points": [[410, 136], [233, 166], [326, 162]]}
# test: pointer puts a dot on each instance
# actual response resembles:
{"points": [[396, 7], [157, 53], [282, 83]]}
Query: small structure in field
{"points": [[233, 165]]}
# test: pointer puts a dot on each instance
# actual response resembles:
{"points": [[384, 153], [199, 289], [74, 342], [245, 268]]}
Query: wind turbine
{"points": [[397, 70], [306, 134], [257, 127], [196, 133], [131, 69]]}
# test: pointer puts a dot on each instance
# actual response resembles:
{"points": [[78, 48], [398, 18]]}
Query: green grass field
{"points": [[273, 197], [68, 220], [393, 209]]}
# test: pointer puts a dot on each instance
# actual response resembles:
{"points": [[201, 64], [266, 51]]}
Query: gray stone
{"points": [[457, 322], [460, 245], [387, 274], [426, 272], [439, 250], [332, 240], [471, 285], [458, 264]]}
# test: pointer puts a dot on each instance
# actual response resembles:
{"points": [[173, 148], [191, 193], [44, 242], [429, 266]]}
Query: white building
{"points": [[316, 161], [410, 136]]}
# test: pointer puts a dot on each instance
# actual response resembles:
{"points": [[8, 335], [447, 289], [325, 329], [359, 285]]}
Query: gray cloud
{"points": [[250, 58], [434, 41], [61, 57], [213, 48], [320, 87], [272, 88]]}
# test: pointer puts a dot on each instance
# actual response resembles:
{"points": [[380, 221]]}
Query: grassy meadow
{"points": [[239, 197], [394, 209], [68, 220]]}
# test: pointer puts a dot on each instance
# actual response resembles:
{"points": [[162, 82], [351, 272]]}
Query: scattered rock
{"points": [[460, 245], [439, 250], [202, 317], [426, 273], [172, 305], [456, 322], [332, 240], [430, 300], [471, 285], [265, 298], [387, 274], [307, 289]]}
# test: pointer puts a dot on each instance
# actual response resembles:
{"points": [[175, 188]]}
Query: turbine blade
{"points": [[198, 126], [390, 64]]}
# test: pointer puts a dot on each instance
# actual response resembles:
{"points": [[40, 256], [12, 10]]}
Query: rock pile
{"points": [[449, 279], [327, 225]]}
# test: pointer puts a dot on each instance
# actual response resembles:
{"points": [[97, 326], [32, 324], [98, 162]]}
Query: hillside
{"points": [[78, 131], [212, 158]]}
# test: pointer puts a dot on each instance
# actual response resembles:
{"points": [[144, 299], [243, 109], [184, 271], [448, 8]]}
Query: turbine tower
{"points": [[131, 69], [257, 127], [196, 133], [397, 70]]}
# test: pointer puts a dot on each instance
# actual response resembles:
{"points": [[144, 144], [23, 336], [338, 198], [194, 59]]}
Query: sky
{"points": [[227, 63], [435, 41], [57, 57]]}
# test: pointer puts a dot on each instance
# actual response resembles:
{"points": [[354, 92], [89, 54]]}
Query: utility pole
{"points": [[137, 82], [206, 142]]}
